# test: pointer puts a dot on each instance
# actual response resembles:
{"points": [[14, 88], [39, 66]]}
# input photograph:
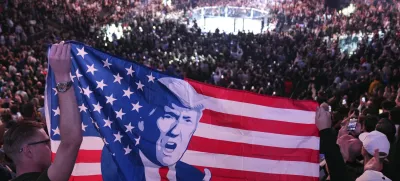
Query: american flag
{"points": [[141, 124]]}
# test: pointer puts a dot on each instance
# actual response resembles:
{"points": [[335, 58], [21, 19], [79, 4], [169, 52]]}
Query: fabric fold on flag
{"points": [[142, 124]]}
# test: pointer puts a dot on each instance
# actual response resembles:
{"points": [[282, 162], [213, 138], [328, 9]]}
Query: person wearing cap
{"points": [[372, 175], [372, 169], [335, 160], [167, 131], [372, 141]]}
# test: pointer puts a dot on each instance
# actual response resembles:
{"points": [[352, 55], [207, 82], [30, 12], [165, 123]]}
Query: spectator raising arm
{"points": [[70, 122], [334, 159]]}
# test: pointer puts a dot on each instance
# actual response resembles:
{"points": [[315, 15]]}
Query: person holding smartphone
{"points": [[373, 146]]}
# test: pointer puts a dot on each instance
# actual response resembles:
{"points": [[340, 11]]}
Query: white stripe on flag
{"points": [[86, 169], [88, 143], [256, 138], [212, 160], [225, 134], [258, 111]]}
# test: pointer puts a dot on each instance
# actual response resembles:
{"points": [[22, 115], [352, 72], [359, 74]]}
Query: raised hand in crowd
{"points": [[323, 118], [70, 121], [27, 143], [374, 163]]}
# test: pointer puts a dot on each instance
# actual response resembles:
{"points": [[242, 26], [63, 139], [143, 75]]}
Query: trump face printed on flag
{"points": [[176, 125], [176, 122], [167, 130]]}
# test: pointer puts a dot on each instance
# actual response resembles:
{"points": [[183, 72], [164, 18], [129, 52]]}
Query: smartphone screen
{"points": [[380, 111], [352, 126], [363, 99], [330, 109], [344, 102]]}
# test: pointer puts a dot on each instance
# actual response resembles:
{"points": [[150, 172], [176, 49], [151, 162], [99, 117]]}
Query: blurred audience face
{"points": [[40, 153], [369, 123], [387, 127]]}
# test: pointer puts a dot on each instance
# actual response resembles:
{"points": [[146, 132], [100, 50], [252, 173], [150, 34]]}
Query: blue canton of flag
{"points": [[118, 101]]}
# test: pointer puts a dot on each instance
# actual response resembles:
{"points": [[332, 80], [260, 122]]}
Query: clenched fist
{"points": [[60, 61], [323, 117]]}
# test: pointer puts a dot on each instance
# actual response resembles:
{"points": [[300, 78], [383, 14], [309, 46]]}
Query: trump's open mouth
{"points": [[170, 147]]}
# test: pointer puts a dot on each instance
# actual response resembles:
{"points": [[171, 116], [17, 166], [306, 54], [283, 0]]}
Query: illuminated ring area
{"points": [[230, 19]]}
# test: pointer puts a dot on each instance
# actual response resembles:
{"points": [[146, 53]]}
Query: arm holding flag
{"points": [[334, 159], [70, 121]]}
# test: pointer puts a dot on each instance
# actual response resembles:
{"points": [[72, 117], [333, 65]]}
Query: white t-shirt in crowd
{"points": [[2, 40], [18, 29], [10, 23]]}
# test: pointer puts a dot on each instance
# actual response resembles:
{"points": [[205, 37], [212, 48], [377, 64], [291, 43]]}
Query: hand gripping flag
{"points": [[142, 124]]}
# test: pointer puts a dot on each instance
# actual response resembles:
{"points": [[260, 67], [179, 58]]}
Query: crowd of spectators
{"points": [[300, 59]]}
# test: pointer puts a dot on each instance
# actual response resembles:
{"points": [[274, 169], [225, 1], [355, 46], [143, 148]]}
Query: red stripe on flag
{"points": [[86, 156], [86, 178], [252, 98], [218, 174], [254, 151], [261, 125]]}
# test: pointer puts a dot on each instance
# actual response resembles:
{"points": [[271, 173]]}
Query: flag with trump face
{"points": [[142, 124]]}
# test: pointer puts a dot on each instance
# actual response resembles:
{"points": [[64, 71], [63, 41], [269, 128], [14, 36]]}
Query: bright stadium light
{"points": [[112, 29], [348, 10]]}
